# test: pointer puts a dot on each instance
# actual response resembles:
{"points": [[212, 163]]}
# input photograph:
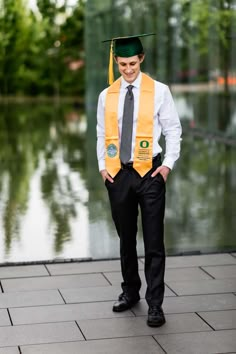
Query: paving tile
{"points": [[220, 319], [115, 278], [99, 293], [195, 303], [203, 286], [86, 267], [30, 298], [170, 274], [9, 350], [201, 260], [102, 293], [33, 300], [4, 318], [169, 292], [199, 343], [23, 271], [222, 272], [192, 273], [136, 326], [40, 333], [54, 282], [117, 346], [60, 313]]}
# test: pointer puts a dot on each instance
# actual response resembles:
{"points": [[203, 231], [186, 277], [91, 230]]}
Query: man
{"points": [[131, 115]]}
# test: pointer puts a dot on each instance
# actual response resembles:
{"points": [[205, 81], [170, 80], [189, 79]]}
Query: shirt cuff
{"points": [[168, 162], [101, 165]]}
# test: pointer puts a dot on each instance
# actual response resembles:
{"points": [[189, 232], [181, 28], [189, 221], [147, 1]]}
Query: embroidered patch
{"points": [[144, 144], [111, 150], [144, 152]]}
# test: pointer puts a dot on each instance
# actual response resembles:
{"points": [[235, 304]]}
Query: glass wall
{"points": [[194, 52], [194, 42]]}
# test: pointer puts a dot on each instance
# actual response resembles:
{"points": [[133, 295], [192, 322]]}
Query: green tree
{"points": [[206, 21], [14, 35], [37, 48], [61, 45], [72, 52]]}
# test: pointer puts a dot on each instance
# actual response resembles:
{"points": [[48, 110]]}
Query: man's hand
{"points": [[105, 175], [163, 170]]}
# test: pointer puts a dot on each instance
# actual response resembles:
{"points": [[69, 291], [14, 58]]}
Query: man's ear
{"points": [[142, 58], [115, 58]]}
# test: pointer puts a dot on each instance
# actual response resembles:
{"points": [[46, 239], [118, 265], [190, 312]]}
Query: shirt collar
{"points": [[136, 82]]}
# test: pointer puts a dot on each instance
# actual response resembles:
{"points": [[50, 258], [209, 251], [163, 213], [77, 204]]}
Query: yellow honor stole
{"points": [[143, 151]]}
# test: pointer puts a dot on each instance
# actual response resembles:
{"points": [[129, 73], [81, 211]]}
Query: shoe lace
{"points": [[123, 296], [155, 310]]}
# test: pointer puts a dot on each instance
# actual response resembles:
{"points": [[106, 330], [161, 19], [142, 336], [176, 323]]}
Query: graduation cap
{"points": [[125, 47]]}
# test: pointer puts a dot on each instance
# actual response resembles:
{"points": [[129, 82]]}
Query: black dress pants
{"points": [[129, 191]]}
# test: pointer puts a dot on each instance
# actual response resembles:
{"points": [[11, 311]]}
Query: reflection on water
{"points": [[201, 191], [200, 213], [53, 203], [43, 192], [212, 111]]}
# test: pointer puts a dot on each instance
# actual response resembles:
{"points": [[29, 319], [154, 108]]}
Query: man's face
{"points": [[129, 68]]}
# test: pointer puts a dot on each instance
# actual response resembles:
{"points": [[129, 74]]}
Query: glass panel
{"points": [[194, 52]]}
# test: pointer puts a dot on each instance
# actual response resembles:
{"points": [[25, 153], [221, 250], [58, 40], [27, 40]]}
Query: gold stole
{"points": [[144, 133]]}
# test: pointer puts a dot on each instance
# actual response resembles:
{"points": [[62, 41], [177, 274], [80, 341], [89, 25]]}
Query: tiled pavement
{"points": [[65, 308]]}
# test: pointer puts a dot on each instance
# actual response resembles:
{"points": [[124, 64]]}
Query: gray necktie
{"points": [[127, 126]]}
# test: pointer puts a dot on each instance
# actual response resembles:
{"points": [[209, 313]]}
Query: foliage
{"points": [[194, 42], [37, 48], [209, 26], [42, 51]]}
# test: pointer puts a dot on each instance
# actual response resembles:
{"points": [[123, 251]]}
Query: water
{"points": [[43, 193], [53, 204]]}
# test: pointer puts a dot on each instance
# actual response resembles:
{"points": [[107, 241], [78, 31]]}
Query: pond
{"points": [[54, 206]]}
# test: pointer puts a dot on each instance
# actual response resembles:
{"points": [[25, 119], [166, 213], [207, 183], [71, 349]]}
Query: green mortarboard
{"points": [[125, 47]]}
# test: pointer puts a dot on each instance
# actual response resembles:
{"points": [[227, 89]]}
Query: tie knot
{"points": [[129, 88], [130, 93]]}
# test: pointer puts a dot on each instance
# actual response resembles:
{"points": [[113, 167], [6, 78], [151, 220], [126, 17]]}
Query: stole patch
{"points": [[111, 150], [144, 151]]}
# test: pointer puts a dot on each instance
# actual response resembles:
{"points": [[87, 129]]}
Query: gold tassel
{"points": [[110, 71]]}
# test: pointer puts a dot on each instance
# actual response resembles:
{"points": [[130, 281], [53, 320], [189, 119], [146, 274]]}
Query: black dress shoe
{"points": [[125, 302], [156, 316]]}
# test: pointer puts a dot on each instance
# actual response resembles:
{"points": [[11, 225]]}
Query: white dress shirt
{"points": [[165, 121]]}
